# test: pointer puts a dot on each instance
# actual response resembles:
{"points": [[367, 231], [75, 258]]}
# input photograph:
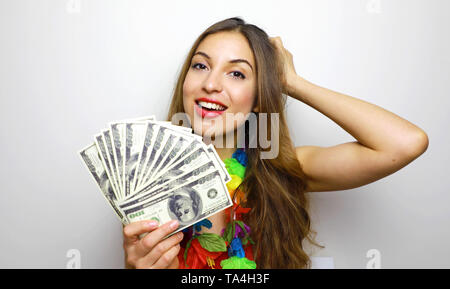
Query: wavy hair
{"points": [[274, 188]]}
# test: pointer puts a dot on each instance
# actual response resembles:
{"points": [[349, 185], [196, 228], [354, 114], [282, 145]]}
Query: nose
{"points": [[213, 83]]}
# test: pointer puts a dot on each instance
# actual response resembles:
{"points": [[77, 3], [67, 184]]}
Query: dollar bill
{"points": [[197, 157], [117, 132], [189, 203], [163, 143], [165, 184], [109, 148], [161, 138], [91, 158], [180, 145], [168, 145], [104, 156], [149, 139], [134, 142], [192, 162], [220, 164], [191, 147]]}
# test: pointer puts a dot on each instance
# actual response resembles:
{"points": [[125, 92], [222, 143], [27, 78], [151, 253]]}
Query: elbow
{"points": [[417, 145]]}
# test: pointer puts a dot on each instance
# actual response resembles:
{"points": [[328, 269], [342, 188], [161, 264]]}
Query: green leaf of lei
{"points": [[212, 242], [227, 235], [237, 263]]}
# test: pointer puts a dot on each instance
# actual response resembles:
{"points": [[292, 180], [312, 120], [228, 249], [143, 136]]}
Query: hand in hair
{"points": [[287, 63]]}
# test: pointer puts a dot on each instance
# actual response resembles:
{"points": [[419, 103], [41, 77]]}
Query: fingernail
{"points": [[152, 224], [173, 224], [180, 235]]}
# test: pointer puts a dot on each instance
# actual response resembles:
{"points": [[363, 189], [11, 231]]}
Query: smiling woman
{"points": [[234, 65], [236, 68]]}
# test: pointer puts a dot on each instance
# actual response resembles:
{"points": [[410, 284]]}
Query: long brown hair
{"points": [[275, 188]]}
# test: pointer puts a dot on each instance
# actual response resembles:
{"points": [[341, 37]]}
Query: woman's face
{"points": [[220, 81]]}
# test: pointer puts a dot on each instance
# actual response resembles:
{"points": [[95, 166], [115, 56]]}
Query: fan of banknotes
{"points": [[148, 169]]}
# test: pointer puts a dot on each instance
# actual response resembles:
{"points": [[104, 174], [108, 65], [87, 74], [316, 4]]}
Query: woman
{"points": [[239, 67]]}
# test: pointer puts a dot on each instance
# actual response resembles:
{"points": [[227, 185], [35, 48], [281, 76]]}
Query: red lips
{"points": [[210, 100], [204, 113]]}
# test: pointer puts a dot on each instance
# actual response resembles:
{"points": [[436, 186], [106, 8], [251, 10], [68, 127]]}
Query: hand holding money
{"points": [[153, 170], [152, 251]]}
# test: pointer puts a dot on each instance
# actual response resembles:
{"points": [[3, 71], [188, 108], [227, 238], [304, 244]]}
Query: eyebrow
{"points": [[239, 60]]}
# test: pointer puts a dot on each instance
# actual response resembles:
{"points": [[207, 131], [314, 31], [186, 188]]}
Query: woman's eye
{"points": [[198, 66], [237, 74]]}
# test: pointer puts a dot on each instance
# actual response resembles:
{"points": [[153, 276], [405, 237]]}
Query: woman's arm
{"points": [[385, 142]]}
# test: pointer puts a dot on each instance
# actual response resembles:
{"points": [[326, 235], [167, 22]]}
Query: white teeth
{"points": [[211, 105]]}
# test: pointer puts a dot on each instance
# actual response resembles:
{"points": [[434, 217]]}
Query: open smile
{"points": [[209, 108]]}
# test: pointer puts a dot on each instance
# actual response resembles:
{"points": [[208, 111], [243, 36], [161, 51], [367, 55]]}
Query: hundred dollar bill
{"points": [[180, 145], [219, 162], [161, 138], [163, 144], [165, 184], [186, 146], [117, 133], [186, 162], [184, 152], [189, 203], [109, 148], [92, 160], [203, 154], [135, 133], [168, 145], [101, 147], [148, 141], [171, 152]]}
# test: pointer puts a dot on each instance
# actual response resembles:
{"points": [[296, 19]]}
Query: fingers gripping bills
{"points": [[148, 169]]}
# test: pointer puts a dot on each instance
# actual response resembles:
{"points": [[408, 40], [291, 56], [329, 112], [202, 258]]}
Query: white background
{"points": [[67, 68]]}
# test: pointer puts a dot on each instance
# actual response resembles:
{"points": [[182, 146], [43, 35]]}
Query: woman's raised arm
{"points": [[385, 142]]}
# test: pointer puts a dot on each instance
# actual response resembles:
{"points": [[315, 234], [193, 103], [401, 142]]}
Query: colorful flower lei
{"points": [[208, 250]]}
